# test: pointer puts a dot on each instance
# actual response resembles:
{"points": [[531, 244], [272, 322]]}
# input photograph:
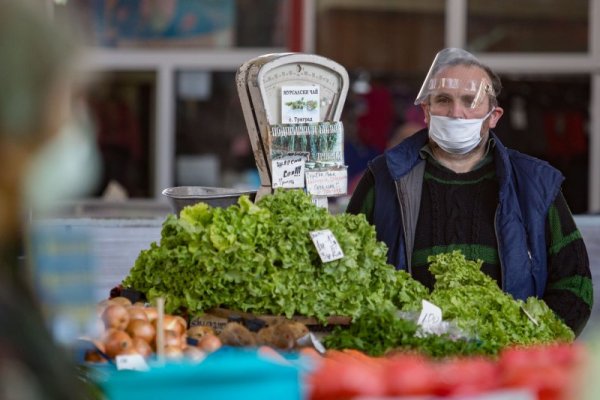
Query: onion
{"points": [[209, 343], [116, 341], [173, 352], [142, 347], [172, 339], [140, 329], [151, 313], [103, 304], [124, 301], [173, 323], [136, 312], [182, 321], [93, 355], [115, 316]]}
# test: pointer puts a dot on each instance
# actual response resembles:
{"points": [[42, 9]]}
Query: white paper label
{"points": [[288, 172], [320, 201], [317, 343], [327, 245], [300, 104], [331, 182], [131, 361], [430, 317]]}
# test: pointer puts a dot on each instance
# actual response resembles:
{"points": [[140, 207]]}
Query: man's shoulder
{"points": [[532, 172], [402, 158], [527, 160], [518, 158]]}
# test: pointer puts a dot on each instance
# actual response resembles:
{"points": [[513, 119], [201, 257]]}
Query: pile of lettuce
{"points": [[477, 304], [260, 258], [488, 319]]}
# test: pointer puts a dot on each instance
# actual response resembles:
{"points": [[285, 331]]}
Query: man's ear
{"points": [[425, 108], [495, 116]]}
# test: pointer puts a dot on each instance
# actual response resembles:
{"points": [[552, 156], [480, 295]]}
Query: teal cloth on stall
{"points": [[227, 374]]}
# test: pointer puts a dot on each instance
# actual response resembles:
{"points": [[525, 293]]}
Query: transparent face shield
{"points": [[450, 96], [454, 84]]}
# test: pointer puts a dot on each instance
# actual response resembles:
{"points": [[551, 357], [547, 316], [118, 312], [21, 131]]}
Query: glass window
{"points": [[122, 108], [548, 117], [212, 144], [381, 36], [528, 26], [183, 23]]}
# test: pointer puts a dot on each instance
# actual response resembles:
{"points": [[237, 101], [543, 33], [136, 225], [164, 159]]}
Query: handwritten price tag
{"points": [[288, 172], [332, 182], [327, 245], [430, 317]]}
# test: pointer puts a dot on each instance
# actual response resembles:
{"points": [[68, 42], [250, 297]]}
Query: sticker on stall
{"points": [[327, 182], [300, 104], [327, 245], [288, 172]]}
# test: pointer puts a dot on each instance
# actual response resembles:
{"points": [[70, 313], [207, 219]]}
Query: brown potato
{"points": [[196, 332], [282, 335], [236, 334]]}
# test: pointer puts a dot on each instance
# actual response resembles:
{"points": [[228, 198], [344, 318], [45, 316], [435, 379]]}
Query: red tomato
{"points": [[547, 370], [335, 380], [467, 376], [410, 375]]}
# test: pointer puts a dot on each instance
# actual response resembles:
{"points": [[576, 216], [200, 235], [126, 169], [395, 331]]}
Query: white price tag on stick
{"points": [[327, 245], [430, 317]]}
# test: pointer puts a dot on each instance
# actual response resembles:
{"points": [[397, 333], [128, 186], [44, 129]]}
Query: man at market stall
{"points": [[454, 186], [35, 95]]}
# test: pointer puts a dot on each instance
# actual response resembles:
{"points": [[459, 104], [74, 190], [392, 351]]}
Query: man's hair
{"points": [[494, 78]]}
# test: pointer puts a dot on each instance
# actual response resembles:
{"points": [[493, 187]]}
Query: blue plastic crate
{"points": [[226, 374]]}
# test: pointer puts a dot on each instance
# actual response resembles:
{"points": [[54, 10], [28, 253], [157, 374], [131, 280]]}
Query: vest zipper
{"points": [[499, 250], [400, 198]]}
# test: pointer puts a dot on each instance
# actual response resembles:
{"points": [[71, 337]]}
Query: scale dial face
{"points": [[330, 82]]}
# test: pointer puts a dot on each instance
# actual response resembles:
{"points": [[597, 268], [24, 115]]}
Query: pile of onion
{"points": [[133, 329]]}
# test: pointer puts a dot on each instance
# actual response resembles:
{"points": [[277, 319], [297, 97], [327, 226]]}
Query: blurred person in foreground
{"points": [[454, 186], [41, 158]]}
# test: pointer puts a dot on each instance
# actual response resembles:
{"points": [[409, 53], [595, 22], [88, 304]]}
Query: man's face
{"points": [[464, 100]]}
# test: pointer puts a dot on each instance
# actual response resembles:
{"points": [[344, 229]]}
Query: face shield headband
{"points": [[470, 94]]}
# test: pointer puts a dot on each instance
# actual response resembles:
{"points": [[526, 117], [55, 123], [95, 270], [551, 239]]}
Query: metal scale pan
{"points": [[259, 82]]}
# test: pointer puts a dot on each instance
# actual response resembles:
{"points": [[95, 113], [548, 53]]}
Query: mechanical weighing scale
{"points": [[264, 85]]}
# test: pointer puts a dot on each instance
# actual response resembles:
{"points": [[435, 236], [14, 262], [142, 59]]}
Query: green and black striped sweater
{"points": [[457, 213]]}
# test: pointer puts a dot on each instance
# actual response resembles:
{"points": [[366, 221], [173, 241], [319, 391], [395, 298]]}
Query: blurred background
{"points": [[167, 111]]}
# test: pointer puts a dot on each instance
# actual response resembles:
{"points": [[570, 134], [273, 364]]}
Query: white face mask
{"points": [[65, 168], [456, 135]]}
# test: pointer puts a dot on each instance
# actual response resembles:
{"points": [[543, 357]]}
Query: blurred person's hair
{"points": [[35, 55]]}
